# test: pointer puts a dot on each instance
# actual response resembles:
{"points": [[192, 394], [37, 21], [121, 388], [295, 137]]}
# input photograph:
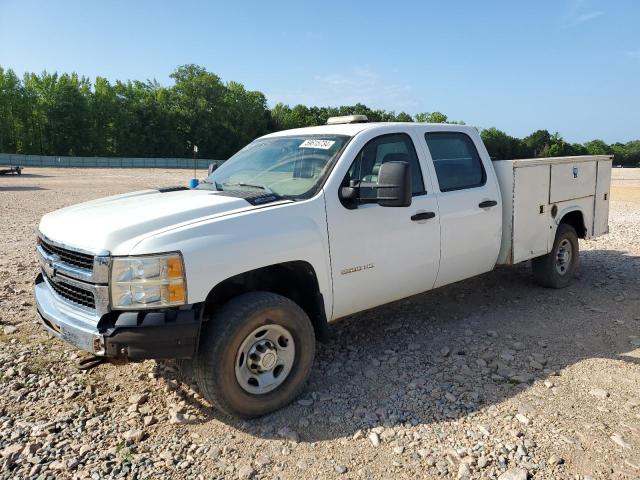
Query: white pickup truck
{"points": [[239, 276]]}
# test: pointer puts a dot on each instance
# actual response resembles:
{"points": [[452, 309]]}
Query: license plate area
{"points": [[51, 325], [71, 336]]}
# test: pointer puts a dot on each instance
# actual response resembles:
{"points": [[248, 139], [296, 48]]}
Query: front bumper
{"points": [[158, 334]]}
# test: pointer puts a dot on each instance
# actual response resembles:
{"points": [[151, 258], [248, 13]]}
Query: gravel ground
{"points": [[492, 377]]}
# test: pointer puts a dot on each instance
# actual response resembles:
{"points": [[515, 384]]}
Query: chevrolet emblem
{"points": [[49, 269]]}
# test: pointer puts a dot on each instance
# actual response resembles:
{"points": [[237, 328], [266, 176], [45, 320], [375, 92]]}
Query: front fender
{"points": [[217, 249]]}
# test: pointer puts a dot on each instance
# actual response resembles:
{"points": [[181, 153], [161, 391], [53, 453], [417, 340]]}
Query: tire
{"points": [[228, 349], [185, 369], [557, 269]]}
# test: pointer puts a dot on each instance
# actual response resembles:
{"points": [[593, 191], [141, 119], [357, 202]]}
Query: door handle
{"points": [[422, 216], [487, 204]]}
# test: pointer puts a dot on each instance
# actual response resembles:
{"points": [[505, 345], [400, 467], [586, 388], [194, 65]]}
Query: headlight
{"points": [[148, 281]]}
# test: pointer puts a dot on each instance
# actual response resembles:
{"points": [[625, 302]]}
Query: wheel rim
{"points": [[564, 257], [265, 359]]}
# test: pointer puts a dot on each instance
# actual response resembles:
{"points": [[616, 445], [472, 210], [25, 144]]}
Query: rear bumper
{"points": [[159, 334]]}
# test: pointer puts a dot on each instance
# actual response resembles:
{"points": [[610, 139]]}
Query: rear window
{"points": [[456, 160]]}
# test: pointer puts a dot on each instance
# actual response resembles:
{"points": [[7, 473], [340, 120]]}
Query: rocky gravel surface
{"points": [[492, 377]]}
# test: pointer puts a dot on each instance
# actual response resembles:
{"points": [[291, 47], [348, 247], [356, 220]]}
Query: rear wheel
{"points": [[557, 269], [255, 354]]}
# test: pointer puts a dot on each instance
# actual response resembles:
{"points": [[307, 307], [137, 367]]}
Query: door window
{"points": [[456, 160], [382, 149]]}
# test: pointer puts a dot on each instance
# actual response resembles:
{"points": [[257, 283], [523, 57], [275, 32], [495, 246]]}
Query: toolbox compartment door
{"points": [[572, 180], [530, 212], [601, 211]]}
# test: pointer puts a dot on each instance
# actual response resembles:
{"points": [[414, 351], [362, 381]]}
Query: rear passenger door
{"points": [[469, 203]]}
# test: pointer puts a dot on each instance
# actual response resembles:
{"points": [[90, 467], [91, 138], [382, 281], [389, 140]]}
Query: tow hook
{"points": [[91, 362]]}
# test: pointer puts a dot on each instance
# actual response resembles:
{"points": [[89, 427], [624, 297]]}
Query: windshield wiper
{"points": [[244, 184], [216, 185]]}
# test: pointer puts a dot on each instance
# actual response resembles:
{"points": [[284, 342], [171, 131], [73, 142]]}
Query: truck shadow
{"points": [[24, 175], [23, 188], [444, 354]]}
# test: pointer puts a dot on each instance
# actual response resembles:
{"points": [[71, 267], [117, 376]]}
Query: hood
{"points": [[118, 223]]}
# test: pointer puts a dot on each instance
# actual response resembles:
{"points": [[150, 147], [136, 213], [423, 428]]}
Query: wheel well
{"points": [[576, 220], [295, 280]]}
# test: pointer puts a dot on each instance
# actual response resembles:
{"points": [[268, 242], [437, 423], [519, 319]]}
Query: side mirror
{"points": [[212, 168], [394, 184], [349, 195]]}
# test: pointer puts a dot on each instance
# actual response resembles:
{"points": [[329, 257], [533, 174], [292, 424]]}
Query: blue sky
{"points": [[571, 66]]}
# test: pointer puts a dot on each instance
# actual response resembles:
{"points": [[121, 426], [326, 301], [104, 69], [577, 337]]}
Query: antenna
{"points": [[194, 181], [195, 153]]}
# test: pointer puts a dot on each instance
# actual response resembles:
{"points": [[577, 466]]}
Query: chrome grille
{"points": [[74, 294], [76, 276], [77, 259]]}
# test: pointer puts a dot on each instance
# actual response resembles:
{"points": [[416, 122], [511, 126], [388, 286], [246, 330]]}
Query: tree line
{"points": [[67, 114]]}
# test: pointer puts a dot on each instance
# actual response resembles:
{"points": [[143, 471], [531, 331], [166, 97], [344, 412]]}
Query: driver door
{"points": [[381, 254]]}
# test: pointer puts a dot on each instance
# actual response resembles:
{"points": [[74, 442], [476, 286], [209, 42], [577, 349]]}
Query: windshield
{"points": [[290, 167]]}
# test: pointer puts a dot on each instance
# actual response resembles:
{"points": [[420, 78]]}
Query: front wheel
{"points": [[255, 354], [558, 268]]}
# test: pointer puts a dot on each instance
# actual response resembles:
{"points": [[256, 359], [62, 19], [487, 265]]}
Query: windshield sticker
{"points": [[321, 144]]}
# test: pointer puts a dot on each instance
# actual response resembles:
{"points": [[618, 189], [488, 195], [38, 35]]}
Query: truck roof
{"points": [[352, 129]]}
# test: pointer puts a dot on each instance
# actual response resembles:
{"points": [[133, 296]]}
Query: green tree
{"points": [[435, 117], [247, 116], [597, 147], [68, 115], [103, 108], [538, 143], [200, 108], [404, 117], [10, 111], [558, 147], [33, 115], [502, 146], [67, 129]]}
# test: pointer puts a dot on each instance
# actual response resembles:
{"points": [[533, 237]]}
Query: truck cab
{"points": [[238, 277]]}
